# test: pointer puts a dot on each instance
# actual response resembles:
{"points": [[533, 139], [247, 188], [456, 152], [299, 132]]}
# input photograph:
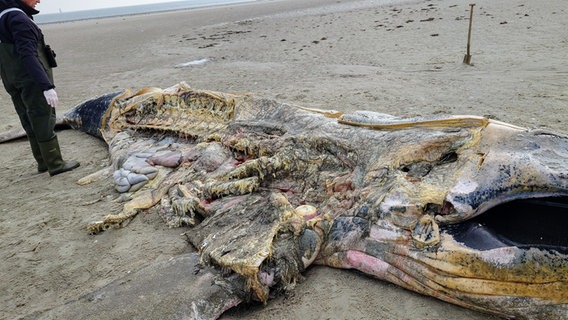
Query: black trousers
{"points": [[36, 116]]}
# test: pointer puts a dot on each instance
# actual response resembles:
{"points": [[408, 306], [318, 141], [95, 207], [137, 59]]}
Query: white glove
{"points": [[51, 97]]}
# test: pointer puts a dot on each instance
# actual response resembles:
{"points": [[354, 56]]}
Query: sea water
{"points": [[129, 10]]}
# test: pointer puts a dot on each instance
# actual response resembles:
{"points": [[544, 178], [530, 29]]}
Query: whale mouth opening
{"points": [[528, 223]]}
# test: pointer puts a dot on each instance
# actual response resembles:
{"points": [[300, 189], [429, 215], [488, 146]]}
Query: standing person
{"points": [[26, 68]]}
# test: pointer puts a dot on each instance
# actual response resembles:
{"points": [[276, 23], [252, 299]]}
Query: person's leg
{"points": [[42, 120], [24, 120], [41, 116], [52, 154], [36, 151]]}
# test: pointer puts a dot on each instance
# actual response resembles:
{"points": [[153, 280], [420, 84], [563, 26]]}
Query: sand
{"points": [[402, 59]]}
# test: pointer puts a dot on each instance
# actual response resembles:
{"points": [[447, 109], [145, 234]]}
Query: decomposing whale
{"points": [[466, 209]]}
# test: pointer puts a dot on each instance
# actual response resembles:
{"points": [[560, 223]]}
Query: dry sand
{"points": [[402, 59]]}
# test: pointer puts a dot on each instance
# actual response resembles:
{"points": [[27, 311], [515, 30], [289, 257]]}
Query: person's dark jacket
{"points": [[19, 29]]}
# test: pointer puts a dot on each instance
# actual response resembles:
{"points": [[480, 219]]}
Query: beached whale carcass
{"points": [[469, 210]]}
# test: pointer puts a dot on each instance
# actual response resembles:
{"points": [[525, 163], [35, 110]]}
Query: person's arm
{"points": [[26, 38]]}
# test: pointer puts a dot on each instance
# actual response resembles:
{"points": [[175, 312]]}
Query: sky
{"points": [[53, 6]]}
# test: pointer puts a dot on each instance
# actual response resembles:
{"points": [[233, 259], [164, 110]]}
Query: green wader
{"points": [[36, 116]]}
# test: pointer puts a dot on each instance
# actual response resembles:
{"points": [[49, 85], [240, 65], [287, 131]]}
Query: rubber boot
{"points": [[41, 166], [52, 156]]}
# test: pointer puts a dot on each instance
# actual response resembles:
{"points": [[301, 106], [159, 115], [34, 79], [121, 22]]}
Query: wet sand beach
{"points": [[402, 58]]}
